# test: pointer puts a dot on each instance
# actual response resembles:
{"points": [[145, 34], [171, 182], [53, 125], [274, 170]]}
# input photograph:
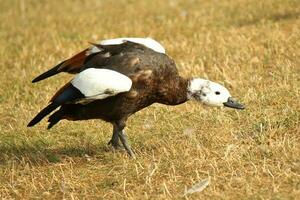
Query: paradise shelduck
{"points": [[119, 77]]}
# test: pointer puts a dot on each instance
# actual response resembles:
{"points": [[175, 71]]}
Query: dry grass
{"points": [[251, 46]]}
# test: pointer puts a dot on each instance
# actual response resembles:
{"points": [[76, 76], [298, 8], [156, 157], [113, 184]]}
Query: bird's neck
{"points": [[194, 87], [176, 92]]}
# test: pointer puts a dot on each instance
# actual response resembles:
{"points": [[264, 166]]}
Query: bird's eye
{"points": [[217, 93]]}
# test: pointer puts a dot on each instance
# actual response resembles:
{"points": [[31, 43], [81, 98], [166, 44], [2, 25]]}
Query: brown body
{"points": [[155, 79], [154, 76]]}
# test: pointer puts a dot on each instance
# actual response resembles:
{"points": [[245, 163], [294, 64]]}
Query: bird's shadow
{"points": [[37, 154]]}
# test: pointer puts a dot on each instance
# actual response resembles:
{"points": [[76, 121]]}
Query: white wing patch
{"points": [[148, 42], [101, 83], [93, 49]]}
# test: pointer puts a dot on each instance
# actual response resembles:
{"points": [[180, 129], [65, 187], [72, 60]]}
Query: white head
{"points": [[211, 93]]}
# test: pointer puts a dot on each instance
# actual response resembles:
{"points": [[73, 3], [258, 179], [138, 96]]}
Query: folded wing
{"points": [[103, 49], [101, 83], [89, 85]]}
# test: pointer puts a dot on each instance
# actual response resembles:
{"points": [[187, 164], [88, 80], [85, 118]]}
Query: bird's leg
{"points": [[119, 127], [124, 141], [115, 138]]}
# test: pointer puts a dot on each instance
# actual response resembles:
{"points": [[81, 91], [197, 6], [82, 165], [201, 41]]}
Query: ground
{"points": [[250, 46]]}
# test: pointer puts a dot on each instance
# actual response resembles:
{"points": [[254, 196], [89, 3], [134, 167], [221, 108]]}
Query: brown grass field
{"points": [[251, 46]]}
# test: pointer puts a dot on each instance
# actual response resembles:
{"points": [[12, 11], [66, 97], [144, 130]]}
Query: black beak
{"points": [[231, 103]]}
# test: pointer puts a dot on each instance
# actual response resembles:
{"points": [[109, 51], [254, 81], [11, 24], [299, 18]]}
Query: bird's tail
{"points": [[47, 74], [43, 113], [54, 118]]}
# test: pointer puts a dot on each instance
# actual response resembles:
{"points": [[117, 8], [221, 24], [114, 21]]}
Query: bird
{"points": [[119, 77]]}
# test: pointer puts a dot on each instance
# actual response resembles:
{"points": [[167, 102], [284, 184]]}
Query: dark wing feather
{"points": [[72, 65], [43, 113], [129, 58], [68, 93], [119, 57], [48, 73]]}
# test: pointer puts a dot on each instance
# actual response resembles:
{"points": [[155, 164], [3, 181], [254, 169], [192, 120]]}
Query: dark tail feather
{"points": [[54, 118], [43, 113], [48, 73]]}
